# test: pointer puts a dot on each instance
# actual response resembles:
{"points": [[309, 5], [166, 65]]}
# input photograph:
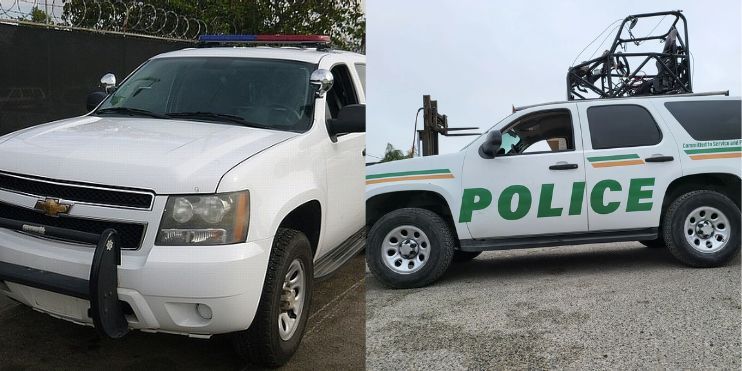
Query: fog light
{"points": [[204, 311]]}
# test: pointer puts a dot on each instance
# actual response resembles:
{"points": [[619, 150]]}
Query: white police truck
{"points": [[201, 196], [662, 170]]}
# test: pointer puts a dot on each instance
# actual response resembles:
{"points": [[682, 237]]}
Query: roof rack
{"points": [[611, 75], [702, 94], [307, 41]]}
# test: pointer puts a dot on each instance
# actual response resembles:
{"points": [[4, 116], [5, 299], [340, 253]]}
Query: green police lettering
{"points": [[639, 198], [636, 194], [473, 199], [505, 202]]}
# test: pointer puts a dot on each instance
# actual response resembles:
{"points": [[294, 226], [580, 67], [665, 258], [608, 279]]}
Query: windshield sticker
{"points": [[617, 160], [409, 175]]}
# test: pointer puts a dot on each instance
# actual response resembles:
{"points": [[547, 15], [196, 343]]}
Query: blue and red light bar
{"points": [[278, 39]]}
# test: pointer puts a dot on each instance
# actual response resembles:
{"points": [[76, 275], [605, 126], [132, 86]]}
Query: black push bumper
{"points": [[105, 308]]}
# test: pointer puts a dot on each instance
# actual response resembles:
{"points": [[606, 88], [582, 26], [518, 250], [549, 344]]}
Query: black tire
{"points": [[654, 244], [674, 228], [464, 256], [261, 344], [441, 250]]}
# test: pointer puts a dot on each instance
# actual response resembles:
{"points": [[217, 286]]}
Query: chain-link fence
{"points": [[134, 17]]}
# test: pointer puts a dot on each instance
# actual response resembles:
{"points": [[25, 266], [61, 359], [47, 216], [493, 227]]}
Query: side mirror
{"points": [[108, 82], [488, 149], [94, 99], [351, 119], [323, 79]]}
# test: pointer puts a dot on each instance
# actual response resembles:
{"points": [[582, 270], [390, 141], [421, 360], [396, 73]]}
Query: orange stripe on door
{"points": [[618, 163], [717, 155], [417, 177]]}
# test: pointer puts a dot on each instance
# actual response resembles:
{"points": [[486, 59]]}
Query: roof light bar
{"points": [[271, 39]]}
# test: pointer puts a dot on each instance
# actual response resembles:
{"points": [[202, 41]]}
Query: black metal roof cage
{"points": [[611, 75]]}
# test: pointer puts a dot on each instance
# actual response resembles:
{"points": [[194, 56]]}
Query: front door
{"points": [[536, 183]]}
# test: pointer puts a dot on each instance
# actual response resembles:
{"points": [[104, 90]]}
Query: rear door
{"points": [[630, 159]]}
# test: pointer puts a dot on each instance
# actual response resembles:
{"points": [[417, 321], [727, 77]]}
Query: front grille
{"points": [[72, 192], [131, 234]]}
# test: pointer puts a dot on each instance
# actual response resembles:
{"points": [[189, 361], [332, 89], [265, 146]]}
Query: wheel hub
{"points": [[291, 300], [409, 248], [288, 299], [704, 229], [707, 229], [405, 249]]}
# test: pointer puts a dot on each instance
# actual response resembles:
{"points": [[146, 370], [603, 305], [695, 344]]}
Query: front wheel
{"points": [[409, 248], [702, 229], [279, 323]]}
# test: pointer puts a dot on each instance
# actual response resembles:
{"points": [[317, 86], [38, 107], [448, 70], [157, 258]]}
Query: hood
{"points": [[165, 156]]}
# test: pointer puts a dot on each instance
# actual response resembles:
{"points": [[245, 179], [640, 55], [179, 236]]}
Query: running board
{"points": [[335, 259], [510, 243]]}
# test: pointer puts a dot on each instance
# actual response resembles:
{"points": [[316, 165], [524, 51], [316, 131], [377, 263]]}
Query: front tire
{"points": [[409, 248], [278, 326], [702, 229]]}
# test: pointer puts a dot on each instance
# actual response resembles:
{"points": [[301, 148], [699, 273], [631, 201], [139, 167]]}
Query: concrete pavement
{"points": [[608, 306]]}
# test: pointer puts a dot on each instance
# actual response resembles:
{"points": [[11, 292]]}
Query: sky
{"points": [[481, 58]]}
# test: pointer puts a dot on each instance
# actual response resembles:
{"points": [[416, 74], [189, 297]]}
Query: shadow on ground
{"points": [[335, 338]]}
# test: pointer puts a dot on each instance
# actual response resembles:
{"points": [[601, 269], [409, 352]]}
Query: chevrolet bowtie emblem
{"points": [[52, 207]]}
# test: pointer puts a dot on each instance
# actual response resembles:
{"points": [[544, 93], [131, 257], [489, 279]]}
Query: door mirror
{"points": [[94, 99], [488, 149], [323, 80], [351, 119], [108, 82]]}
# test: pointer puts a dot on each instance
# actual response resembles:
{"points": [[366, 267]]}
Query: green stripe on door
{"points": [[613, 158], [713, 150], [409, 173]]}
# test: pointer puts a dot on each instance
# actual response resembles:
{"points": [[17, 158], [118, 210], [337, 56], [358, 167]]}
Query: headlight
{"points": [[220, 219]]}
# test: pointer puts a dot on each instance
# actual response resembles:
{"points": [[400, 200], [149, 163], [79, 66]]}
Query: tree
{"points": [[393, 154], [39, 16], [343, 20]]}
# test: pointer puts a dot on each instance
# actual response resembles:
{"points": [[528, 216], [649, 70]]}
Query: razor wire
{"points": [[135, 17]]}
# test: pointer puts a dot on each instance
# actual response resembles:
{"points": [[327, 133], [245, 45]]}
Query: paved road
{"points": [[580, 307], [334, 339]]}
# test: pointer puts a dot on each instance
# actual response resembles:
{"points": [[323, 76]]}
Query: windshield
{"points": [[262, 93]]}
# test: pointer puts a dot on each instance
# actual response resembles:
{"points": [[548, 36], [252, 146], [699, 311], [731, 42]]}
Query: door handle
{"points": [[659, 159], [563, 167]]}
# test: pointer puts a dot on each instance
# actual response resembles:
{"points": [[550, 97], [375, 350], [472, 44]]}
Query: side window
{"points": [[618, 126], [361, 70], [342, 93], [539, 132], [709, 119]]}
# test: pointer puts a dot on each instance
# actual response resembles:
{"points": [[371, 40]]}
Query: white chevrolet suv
{"points": [[662, 170], [201, 196]]}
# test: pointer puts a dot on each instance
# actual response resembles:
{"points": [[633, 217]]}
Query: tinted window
{"points": [[622, 126], [265, 93], [361, 69], [342, 92], [709, 119]]}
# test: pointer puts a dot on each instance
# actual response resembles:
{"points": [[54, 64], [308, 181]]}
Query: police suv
{"points": [[201, 196], [661, 170]]}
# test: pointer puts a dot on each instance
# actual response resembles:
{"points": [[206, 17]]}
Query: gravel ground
{"points": [[334, 338], [617, 306]]}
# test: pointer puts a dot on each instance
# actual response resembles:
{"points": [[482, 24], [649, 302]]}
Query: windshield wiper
{"points": [[223, 117], [131, 112]]}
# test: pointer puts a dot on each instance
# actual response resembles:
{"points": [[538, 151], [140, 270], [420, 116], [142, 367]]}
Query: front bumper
{"points": [[197, 291]]}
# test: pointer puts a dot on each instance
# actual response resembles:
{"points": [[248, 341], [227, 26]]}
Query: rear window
{"points": [[618, 126], [709, 119]]}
